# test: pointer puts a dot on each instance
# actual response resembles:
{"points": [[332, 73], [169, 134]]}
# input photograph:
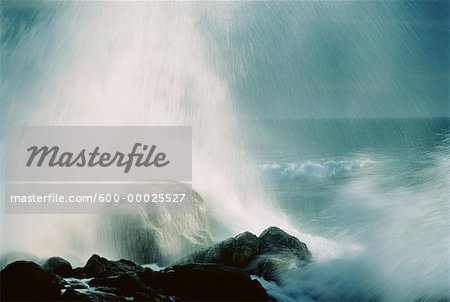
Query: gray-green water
{"points": [[380, 186], [316, 159]]}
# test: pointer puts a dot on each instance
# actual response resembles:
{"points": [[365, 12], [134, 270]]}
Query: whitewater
{"points": [[279, 145]]}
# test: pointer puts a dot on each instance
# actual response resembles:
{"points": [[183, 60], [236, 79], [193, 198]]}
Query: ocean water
{"points": [[308, 162], [282, 98], [379, 189]]}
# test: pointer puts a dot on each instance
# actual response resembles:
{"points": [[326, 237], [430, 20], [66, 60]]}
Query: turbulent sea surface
{"points": [[380, 189]]}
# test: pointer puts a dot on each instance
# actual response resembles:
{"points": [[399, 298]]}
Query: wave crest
{"points": [[313, 169]]}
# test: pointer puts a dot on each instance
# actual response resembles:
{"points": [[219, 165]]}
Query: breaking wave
{"points": [[313, 169]]}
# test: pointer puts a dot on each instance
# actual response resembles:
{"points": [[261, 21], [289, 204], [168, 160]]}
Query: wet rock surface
{"points": [[97, 266], [207, 282], [269, 254], [58, 266], [219, 273], [25, 281]]}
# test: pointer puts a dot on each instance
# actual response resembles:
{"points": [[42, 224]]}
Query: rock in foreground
{"points": [[58, 266], [218, 273], [104, 280], [269, 254], [27, 281], [97, 266], [207, 282]]}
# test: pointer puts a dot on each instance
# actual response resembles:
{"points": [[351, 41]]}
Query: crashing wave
{"points": [[313, 169]]}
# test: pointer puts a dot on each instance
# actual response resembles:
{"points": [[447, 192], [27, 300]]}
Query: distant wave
{"points": [[313, 169]]}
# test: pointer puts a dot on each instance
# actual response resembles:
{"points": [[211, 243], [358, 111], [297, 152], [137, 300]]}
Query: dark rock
{"points": [[273, 239], [237, 251], [27, 281], [98, 266], [58, 266], [123, 279], [16, 256], [128, 284], [148, 275], [207, 282], [273, 252], [221, 274], [279, 252], [152, 295]]}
